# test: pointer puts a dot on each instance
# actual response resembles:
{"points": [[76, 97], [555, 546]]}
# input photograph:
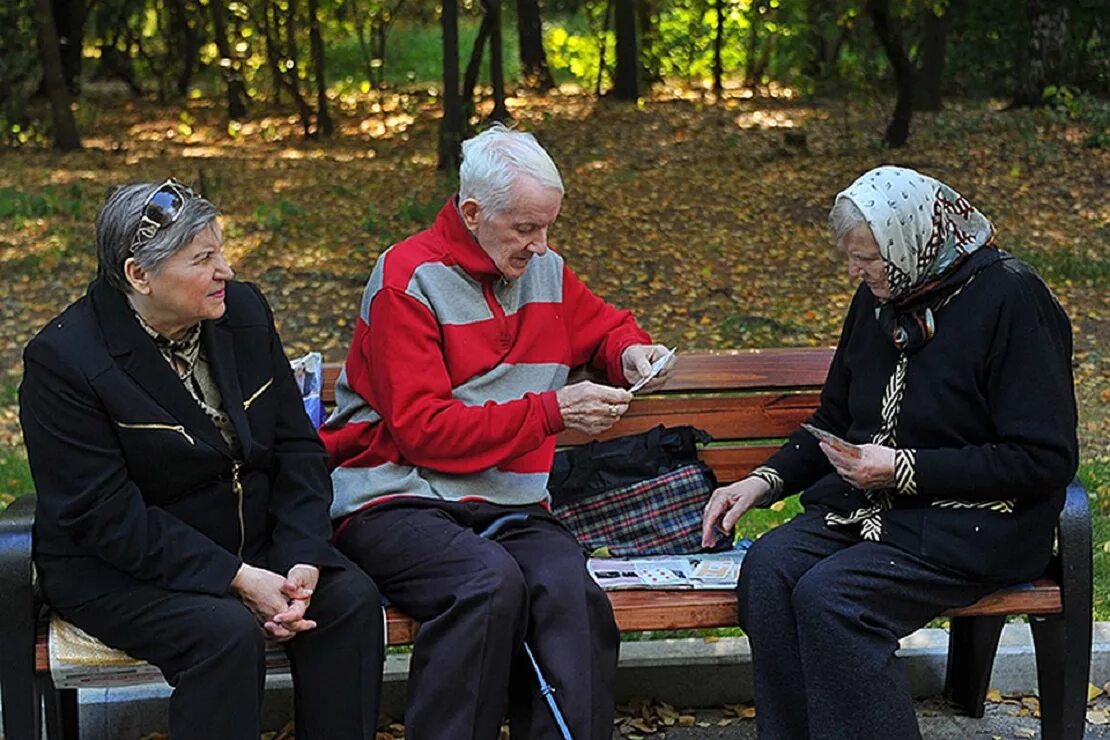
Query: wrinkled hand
{"points": [[263, 592], [591, 408], [299, 586], [874, 468], [636, 364], [727, 505]]}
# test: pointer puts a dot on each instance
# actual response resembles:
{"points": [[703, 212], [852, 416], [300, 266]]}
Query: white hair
{"points": [[494, 159], [845, 216]]}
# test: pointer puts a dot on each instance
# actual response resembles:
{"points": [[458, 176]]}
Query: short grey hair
{"points": [[119, 219], [495, 158], [845, 216]]}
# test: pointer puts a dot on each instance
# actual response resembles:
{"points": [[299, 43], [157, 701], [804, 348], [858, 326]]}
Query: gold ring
{"points": [[612, 410]]}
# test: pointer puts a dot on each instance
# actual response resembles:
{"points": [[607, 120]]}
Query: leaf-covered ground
{"points": [[706, 220]]}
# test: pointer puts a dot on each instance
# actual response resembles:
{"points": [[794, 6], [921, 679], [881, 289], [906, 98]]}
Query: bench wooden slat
{"points": [[737, 370], [725, 417], [733, 463], [706, 372], [639, 610]]}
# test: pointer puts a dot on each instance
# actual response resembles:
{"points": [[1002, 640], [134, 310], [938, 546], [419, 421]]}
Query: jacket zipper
{"points": [[237, 487], [167, 427], [256, 394]]}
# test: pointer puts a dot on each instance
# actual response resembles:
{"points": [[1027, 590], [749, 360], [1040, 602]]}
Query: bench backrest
{"points": [[748, 400]]}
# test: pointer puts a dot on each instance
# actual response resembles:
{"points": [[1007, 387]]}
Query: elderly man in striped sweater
{"points": [[447, 410]]}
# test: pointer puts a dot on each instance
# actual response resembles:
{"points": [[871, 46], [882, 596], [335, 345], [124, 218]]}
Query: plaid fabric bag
{"points": [[658, 516]]}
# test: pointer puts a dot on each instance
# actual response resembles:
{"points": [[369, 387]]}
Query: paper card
{"points": [[838, 444], [656, 368]]}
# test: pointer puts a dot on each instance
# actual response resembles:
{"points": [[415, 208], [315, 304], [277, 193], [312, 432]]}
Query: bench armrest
{"points": [[1074, 541], [18, 605]]}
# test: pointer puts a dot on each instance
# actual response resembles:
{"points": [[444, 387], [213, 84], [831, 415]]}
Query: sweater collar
{"points": [[463, 245]]}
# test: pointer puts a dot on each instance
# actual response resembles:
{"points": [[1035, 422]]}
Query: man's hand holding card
{"points": [[646, 366]]}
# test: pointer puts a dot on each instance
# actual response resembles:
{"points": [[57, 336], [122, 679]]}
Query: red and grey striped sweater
{"points": [[448, 390]]}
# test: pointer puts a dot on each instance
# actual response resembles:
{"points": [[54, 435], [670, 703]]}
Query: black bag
{"points": [[616, 463]]}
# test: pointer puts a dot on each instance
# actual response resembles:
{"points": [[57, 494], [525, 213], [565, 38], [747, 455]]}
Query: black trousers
{"points": [[477, 601], [211, 649], [824, 612]]}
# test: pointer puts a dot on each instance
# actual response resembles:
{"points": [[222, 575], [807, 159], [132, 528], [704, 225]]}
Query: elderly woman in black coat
{"points": [[952, 386], [182, 510]]}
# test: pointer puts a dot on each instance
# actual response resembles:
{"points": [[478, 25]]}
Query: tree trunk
{"points": [[473, 67], [185, 42], [316, 42], [236, 93], [65, 128], [890, 36], [69, 17], [285, 76], [450, 129], [718, 41], [626, 85], [755, 20], [1047, 60], [927, 91], [602, 43], [533, 59], [496, 62]]}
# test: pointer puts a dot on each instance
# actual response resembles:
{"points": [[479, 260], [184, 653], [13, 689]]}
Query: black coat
{"points": [[989, 409], [133, 481]]}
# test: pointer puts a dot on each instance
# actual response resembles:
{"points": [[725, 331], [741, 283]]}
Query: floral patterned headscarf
{"points": [[924, 228]]}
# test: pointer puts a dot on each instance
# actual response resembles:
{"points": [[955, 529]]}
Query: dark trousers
{"points": [[477, 600], [824, 613], [211, 649]]}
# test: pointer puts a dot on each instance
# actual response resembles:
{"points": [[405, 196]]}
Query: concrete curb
{"points": [[688, 672]]}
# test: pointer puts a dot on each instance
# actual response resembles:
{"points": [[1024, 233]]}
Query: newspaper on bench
{"points": [[702, 571]]}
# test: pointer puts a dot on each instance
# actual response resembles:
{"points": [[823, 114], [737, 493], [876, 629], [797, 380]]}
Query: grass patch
{"points": [[19, 206], [1066, 264], [414, 55], [15, 476]]}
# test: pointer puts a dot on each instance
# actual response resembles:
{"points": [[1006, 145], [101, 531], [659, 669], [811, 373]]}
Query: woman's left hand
{"points": [[874, 468]]}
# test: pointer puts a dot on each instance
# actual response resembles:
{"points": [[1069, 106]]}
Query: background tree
{"points": [[69, 17], [1047, 58], [236, 92], [65, 128], [451, 128], [19, 68], [936, 19], [889, 31], [533, 59], [626, 83]]}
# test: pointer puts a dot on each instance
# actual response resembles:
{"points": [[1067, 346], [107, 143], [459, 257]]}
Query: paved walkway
{"points": [[937, 722]]}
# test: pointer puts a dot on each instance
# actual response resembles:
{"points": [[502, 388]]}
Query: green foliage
{"points": [[272, 217], [19, 73], [1085, 109], [19, 205], [420, 212], [414, 56], [15, 475], [1074, 264]]}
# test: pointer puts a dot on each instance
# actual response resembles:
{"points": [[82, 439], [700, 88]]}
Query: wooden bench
{"points": [[748, 401]]}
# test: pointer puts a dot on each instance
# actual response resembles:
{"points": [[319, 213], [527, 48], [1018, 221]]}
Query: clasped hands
{"points": [[278, 603], [592, 408]]}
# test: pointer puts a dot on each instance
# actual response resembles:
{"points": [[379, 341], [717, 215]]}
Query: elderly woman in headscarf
{"points": [[182, 493], [952, 385]]}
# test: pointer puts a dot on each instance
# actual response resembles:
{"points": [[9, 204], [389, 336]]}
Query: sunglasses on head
{"points": [[160, 210]]}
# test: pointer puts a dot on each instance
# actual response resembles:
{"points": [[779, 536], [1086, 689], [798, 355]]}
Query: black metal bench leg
{"points": [[61, 712], [972, 643], [1063, 648], [21, 698], [19, 690]]}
